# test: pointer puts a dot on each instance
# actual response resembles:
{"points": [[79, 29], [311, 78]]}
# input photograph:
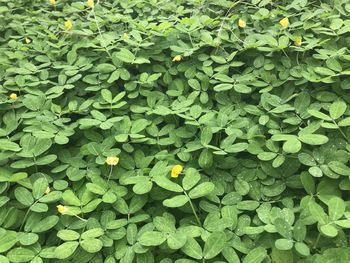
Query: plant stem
{"points": [[80, 218], [193, 209], [341, 131], [34, 159], [317, 239], [99, 31], [110, 174], [26, 215]]}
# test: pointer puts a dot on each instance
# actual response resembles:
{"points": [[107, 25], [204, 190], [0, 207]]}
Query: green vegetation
{"points": [[174, 131]]}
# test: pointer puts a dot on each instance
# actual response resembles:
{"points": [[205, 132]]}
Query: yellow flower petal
{"points": [[298, 41], [62, 209], [27, 40], [284, 22], [112, 160], [176, 170], [68, 25], [13, 96], [177, 58], [47, 191], [90, 3], [242, 23], [52, 2]]}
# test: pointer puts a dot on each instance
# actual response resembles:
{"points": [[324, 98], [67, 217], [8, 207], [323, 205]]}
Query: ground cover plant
{"points": [[174, 131]]}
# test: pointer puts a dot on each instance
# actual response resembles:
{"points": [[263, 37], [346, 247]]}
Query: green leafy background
{"points": [[260, 125]]}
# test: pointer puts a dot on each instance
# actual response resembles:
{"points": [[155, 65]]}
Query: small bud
{"points": [[298, 41], [62, 209], [90, 3], [13, 96], [284, 22], [112, 160], [177, 58], [177, 169], [68, 25], [242, 23], [47, 191]]}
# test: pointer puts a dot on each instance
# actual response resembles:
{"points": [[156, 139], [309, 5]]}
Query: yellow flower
{"points": [[177, 58], [125, 36], [68, 25], [284, 22], [112, 160], [90, 3], [298, 41], [62, 209], [13, 96], [52, 2], [177, 169], [242, 23], [27, 40], [47, 191]]}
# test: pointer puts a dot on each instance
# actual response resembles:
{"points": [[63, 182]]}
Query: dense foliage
{"points": [[174, 131]]}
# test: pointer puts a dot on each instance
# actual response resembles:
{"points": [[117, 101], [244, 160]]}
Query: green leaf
{"points": [[223, 87], [256, 255], [106, 95], [45, 224], [20, 254], [329, 230], [205, 159], [230, 255], [27, 239], [337, 109], [39, 187], [9, 146], [92, 233], [266, 156], [7, 240], [317, 212], [319, 115], [237, 147], [125, 55], [91, 245], [105, 68], [292, 146], [176, 201], [344, 122], [3, 259], [68, 235], [201, 190], [47, 159], [283, 228], [167, 184], [313, 139], [142, 187], [206, 135], [192, 248], [281, 256], [176, 240], [339, 168], [66, 249], [324, 71], [24, 196], [191, 178], [284, 244], [70, 198], [302, 249], [336, 208], [214, 244], [151, 238]]}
